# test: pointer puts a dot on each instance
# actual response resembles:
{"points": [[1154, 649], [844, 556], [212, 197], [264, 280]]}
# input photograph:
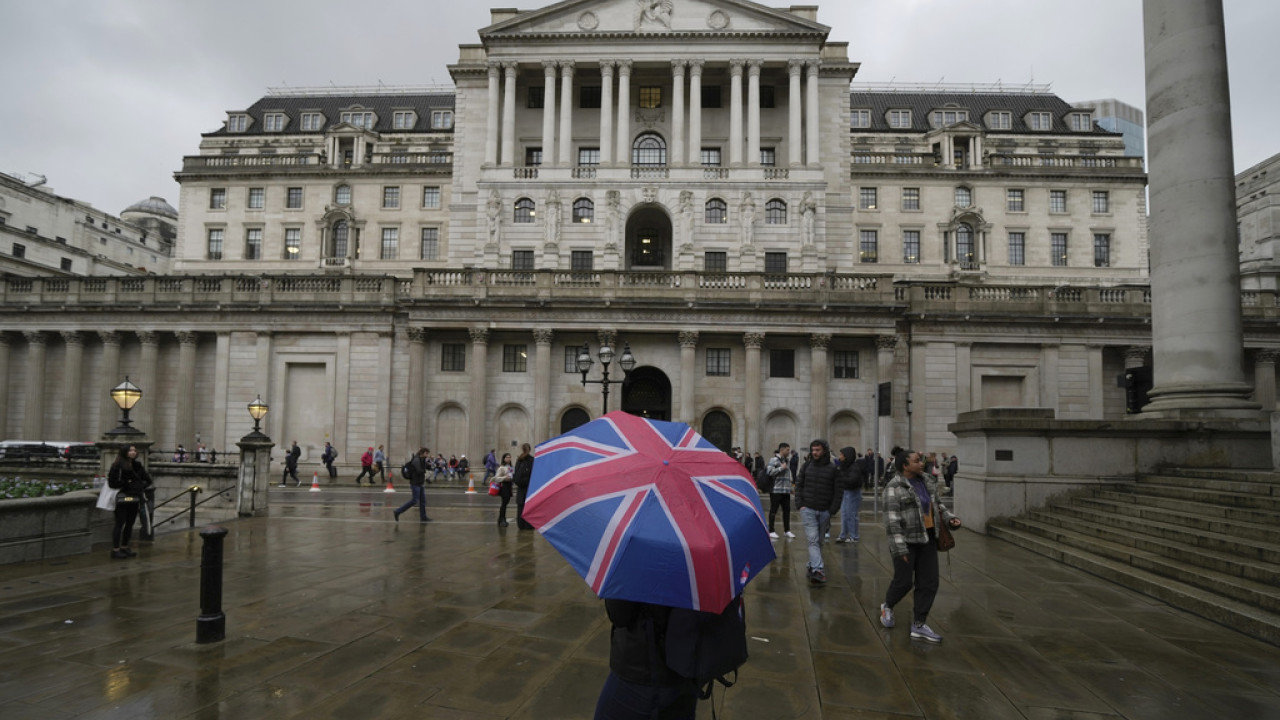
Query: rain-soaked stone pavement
{"points": [[335, 611]]}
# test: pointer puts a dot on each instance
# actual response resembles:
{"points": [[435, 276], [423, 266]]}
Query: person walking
{"points": [[291, 465], [504, 477], [417, 487], [379, 466], [523, 474], [912, 508], [815, 495], [327, 457], [366, 466], [780, 496], [641, 685], [849, 482], [490, 466], [132, 480]]}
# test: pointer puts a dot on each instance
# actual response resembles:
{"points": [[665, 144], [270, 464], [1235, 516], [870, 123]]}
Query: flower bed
{"points": [[16, 487]]}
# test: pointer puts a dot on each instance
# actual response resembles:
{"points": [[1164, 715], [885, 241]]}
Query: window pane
{"points": [[524, 210], [964, 243], [430, 249], [293, 198], [342, 195], [649, 149], [571, 358], [532, 156], [253, 244], [257, 198], [717, 212], [869, 246], [1101, 250], [589, 96], [964, 197], [215, 244], [867, 198], [390, 244], [910, 198], [1101, 201], [711, 157], [584, 210], [715, 261], [910, 246], [537, 96], [217, 198], [292, 243], [1058, 248], [581, 260], [775, 212], [861, 118], [845, 364], [718, 362], [775, 263], [431, 198], [1017, 248], [453, 357], [768, 158], [1057, 201], [589, 156], [340, 235], [391, 197], [782, 363], [521, 259], [650, 96], [515, 358]]}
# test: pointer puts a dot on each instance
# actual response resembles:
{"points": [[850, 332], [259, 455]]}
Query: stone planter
{"points": [[47, 527]]}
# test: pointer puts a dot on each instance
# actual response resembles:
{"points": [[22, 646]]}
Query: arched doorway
{"points": [[648, 239], [647, 393], [573, 418], [717, 428]]}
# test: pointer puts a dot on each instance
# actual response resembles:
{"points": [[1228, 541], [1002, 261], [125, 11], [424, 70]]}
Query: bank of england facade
{"points": [[696, 181]]}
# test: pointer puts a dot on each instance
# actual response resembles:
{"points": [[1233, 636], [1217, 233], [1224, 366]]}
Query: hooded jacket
{"points": [[816, 484], [850, 475]]}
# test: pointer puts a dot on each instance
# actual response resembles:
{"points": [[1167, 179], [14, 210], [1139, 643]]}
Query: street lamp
{"points": [[125, 395], [627, 361], [257, 411]]}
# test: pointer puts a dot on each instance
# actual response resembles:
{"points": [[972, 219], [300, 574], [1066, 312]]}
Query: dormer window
{"points": [[860, 119], [404, 120], [273, 122], [442, 120], [945, 118], [237, 123], [1040, 121], [312, 121], [899, 118], [359, 119], [1000, 120], [1081, 122]]}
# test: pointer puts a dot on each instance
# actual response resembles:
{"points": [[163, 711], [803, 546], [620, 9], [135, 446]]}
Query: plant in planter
{"points": [[16, 487]]}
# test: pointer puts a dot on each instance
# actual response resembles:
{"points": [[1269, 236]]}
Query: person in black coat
{"points": [[523, 473], [815, 495], [291, 465], [129, 477], [849, 482], [640, 685]]}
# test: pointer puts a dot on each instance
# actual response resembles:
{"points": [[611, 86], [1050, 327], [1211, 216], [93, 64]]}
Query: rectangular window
{"points": [[521, 259], [867, 198], [910, 246], [431, 197], [273, 122], [253, 244], [292, 243], [869, 246], [588, 156], [943, 118], [312, 121], [19, 250], [1101, 250], [964, 197], [1017, 201], [718, 362], [571, 359], [217, 198], [390, 244], [861, 118], [767, 97], [293, 198], [66, 264], [710, 96], [1017, 248], [589, 97], [515, 358], [237, 123], [257, 198], [782, 363], [1101, 202], [1057, 201], [404, 119], [430, 248], [1001, 120], [650, 96], [899, 118], [710, 157], [532, 156], [1081, 122], [910, 198], [581, 260], [215, 244], [715, 261], [391, 197], [1058, 249], [775, 263], [453, 357], [768, 157], [537, 98], [844, 364], [442, 120], [1040, 121], [358, 119]]}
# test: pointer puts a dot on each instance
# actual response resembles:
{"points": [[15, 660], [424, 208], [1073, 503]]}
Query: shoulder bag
{"points": [[107, 497], [945, 540]]}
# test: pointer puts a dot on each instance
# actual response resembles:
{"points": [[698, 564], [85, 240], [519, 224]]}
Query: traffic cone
{"points": [[390, 476], [471, 484], [315, 482]]}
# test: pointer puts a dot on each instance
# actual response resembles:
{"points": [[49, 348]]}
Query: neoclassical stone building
{"points": [[693, 180]]}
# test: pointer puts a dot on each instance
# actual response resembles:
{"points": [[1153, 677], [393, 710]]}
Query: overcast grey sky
{"points": [[105, 97]]}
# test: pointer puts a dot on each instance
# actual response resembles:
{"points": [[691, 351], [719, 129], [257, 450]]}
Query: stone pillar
{"points": [[478, 410], [735, 113], [885, 345], [255, 474], [566, 116], [688, 374], [795, 101], [4, 384], [818, 372], [964, 377], [148, 367], [184, 422], [751, 389], [1196, 323], [1264, 378], [72, 384], [677, 112], [542, 338], [417, 389], [108, 413], [548, 112], [753, 113], [509, 114], [495, 98], [606, 113], [811, 113], [624, 113], [695, 113], [33, 384]]}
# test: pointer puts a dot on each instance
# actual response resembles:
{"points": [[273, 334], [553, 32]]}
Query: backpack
{"points": [[406, 470], [706, 647]]}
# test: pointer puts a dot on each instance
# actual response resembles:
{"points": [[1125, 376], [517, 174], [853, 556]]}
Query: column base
{"points": [[1191, 401]]}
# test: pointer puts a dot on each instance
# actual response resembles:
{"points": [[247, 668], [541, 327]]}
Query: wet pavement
{"points": [[335, 611]]}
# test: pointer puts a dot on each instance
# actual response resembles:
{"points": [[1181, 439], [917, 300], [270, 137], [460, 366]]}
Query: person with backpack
{"points": [[416, 471], [327, 457], [849, 482]]}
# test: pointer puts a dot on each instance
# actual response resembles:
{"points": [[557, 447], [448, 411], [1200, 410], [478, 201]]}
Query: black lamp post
{"points": [[627, 361], [125, 395], [257, 411]]}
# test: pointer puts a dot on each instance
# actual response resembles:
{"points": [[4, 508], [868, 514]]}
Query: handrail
{"points": [[190, 492]]}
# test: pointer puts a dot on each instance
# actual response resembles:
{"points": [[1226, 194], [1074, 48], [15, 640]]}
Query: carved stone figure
{"points": [[494, 211], [655, 11], [809, 212], [747, 211]]}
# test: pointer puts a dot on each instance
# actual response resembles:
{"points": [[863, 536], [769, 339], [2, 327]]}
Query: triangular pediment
{"points": [[613, 18]]}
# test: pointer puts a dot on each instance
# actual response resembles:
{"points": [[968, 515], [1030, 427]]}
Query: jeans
{"points": [[849, 508], [920, 564], [624, 700], [817, 523], [419, 498]]}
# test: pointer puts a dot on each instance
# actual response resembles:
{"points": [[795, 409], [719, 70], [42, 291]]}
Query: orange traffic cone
{"points": [[471, 484], [390, 476], [315, 482]]}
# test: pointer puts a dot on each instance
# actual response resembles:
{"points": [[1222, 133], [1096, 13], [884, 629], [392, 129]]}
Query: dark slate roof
{"points": [[922, 106], [331, 106]]}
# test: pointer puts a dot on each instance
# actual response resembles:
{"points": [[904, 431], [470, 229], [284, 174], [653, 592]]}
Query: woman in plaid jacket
{"points": [[912, 506]]}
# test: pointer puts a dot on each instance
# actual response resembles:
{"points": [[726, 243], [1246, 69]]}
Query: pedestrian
{"points": [[327, 457], [464, 467], [417, 476], [912, 508], [815, 495], [849, 482], [504, 477], [953, 466], [490, 465], [366, 466], [291, 465], [760, 473], [440, 467], [180, 455], [780, 496], [131, 479], [523, 474], [641, 684], [202, 453], [453, 466], [379, 465]]}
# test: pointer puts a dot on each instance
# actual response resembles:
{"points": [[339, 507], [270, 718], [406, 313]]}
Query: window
{"points": [[532, 156], [717, 212], [910, 246], [571, 358], [537, 98], [1057, 201], [1017, 248], [775, 212], [581, 261], [404, 119], [588, 157], [589, 96], [521, 259], [584, 210], [1101, 250], [215, 244], [1101, 202], [430, 247], [253, 244], [65, 264], [782, 363], [390, 244], [910, 198], [768, 157], [964, 197], [711, 157], [1000, 120], [650, 150], [292, 243], [1016, 200], [899, 118], [1058, 249], [775, 263], [650, 96], [710, 96], [358, 119], [943, 118], [767, 97], [237, 123], [861, 119], [312, 121], [718, 362], [844, 363], [391, 197], [19, 250], [217, 198], [868, 246], [293, 198], [431, 197], [1081, 122], [964, 244], [63, 241], [273, 122], [715, 261], [442, 120], [867, 199], [257, 198], [1040, 121], [342, 195], [515, 358], [453, 357], [524, 211], [341, 234]]}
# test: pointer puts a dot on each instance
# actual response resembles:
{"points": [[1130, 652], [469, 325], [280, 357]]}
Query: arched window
{"points": [[572, 419], [964, 243], [524, 210], [342, 195], [341, 233], [649, 149], [717, 212], [717, 428], [584, 211], [775, 212]]}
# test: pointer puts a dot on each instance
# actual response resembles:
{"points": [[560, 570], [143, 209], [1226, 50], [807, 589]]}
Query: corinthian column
{"points": [[548, 112], [735, 113], [33, 384], [885, 345], [818, 383], [677, 112], [72, 384], [107, 379], [417, 391], [811, 114], [495, 98], [624, 113], [509, 114], [184, 423], [794, 103], [688, 374], [478, 413], [695, 113], [751, 388], [566, 115], [753, 113], [542, 338], [606, 113]]}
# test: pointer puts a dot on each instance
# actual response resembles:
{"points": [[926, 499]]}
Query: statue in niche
{"points": [[809, 212], [613, 211], [656, 11], [686, 213], [494, 211], [747, 211], [553, 217]]}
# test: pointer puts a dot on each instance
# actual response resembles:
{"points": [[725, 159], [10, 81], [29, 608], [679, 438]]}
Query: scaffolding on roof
{"points": [[343, 90], [1028, 88]]}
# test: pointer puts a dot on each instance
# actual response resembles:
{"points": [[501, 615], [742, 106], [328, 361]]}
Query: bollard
{"points": [[191, 519], [211, 626]]}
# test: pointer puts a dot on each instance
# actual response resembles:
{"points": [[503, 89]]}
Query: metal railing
{"points": [[190, 511]]}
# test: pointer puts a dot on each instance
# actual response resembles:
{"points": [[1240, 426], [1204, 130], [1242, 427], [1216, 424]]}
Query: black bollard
{"points": [[211, 626]]}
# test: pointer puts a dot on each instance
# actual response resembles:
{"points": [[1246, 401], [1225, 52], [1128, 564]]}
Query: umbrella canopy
{"points": [[649, 511]]}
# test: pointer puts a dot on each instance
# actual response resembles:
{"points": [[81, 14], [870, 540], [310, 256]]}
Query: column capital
{"points": [[549, 67], [187, 337], [610, 338], [735, 67], [109, 337], [567, 67], [72, 337], [495, 69], [624, 68], [886, 342], [688, 338], [795, 66], [819, 341], [678, 66], [479, 335], [34, 337], [753, 68], [510, 67], [543, 336], [753, 340], [1136, 355], [417, 334], [1266, 356], [812, 66], [606, 67], [148, 337], [695, 67]]}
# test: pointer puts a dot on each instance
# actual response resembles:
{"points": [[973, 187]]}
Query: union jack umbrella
{"points": [[649, 511]]}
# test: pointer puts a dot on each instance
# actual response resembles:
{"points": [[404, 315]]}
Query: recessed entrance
{"points": [[647, 394], [648, 240]]}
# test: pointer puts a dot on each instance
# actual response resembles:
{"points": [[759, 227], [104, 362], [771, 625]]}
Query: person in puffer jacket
{"points": [[815, 495]]}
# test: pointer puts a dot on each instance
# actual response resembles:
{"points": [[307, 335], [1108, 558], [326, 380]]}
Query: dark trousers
{"points": [[288, 471], [920, 569], [365, 470], [521, 523], [783, 501], [333, 471], [624, 700], [126, 513], [418, 498], [504, 492]]}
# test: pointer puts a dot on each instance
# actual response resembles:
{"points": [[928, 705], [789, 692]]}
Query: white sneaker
{"points": [[773, 535], [790, 534]]}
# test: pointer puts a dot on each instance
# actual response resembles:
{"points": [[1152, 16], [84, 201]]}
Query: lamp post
{"points": [[255, 464], [257, 411], [627, 361], [125, 395]]}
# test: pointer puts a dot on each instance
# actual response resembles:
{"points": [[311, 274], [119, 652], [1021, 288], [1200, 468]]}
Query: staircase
{"points": [[1203, 541]]}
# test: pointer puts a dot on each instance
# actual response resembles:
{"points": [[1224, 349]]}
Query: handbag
{"points": [[945, 539], [107, 497], [494, 487]]}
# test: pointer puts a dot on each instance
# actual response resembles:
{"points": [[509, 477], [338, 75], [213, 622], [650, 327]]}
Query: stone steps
{"points": [[1203, 509], [1245, 540]]}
